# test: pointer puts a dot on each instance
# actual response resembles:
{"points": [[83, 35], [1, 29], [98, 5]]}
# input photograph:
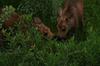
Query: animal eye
{"points": [[66, 19]]}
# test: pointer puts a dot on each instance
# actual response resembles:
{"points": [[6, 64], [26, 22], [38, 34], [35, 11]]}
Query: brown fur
{"points": [[11, 20], [43, 29], [70, 17]]}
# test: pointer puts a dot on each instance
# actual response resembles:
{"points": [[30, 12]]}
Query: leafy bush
{"points": [[14, 3], [30, 49], [45, 9], [6, 13]]}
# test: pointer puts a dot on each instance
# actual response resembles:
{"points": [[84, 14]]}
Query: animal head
{"points": [[43, 29], [69, 17], [63, 22]]}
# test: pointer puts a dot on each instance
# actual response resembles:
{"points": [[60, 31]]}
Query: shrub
{"points": [[6, 13], [28, 48]]}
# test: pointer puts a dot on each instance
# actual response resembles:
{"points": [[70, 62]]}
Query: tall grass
{"points": [[30, 49]]}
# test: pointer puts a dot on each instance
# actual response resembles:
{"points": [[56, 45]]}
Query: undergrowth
{"points": [[30, 49]]}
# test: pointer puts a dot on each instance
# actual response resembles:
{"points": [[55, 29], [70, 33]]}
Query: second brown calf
{"points": [[42, 28]]}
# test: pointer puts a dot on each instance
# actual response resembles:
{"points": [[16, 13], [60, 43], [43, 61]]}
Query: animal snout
{"points": [[45, 34], [64, 29]]}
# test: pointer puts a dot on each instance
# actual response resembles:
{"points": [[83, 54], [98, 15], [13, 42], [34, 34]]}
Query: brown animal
{"points": [[15, 17], [11, 20], [43, 29], [70, 17]]}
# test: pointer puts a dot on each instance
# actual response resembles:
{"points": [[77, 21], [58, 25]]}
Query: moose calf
{"points": [[70, 18], [43, 29]]}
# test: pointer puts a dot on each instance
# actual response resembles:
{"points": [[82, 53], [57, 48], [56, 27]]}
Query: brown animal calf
{"points": [[69, 18], [44, 30], [11, 20], [15, 17]]}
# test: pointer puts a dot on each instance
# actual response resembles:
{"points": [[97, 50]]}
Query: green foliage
{"points": [[6, 13], [30, 49], [45, 9], [15, 3]]}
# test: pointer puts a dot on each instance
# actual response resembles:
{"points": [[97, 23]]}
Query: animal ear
{"points": [[37, 20], [60, 12]]}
